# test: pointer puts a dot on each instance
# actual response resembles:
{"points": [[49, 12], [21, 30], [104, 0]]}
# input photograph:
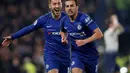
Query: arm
{"points": [[63, 37], [20, 33], [63, 32], [97, 35], [116, 29], [23, 32], [120, 28]]}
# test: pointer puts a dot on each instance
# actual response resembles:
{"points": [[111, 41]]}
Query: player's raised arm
{"points": [[20, 33]]}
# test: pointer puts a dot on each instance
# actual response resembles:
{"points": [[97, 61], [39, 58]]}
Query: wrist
{"points": [[85, 41]]}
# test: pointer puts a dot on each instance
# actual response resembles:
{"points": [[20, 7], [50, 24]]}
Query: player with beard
{"points": [[56, 54], [83, 32]]}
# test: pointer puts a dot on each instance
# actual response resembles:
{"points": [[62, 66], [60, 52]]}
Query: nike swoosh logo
{"points": [[66, 27], [49, 26]]}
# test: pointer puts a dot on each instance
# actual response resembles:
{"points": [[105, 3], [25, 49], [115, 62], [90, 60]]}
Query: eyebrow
{"points": [[70, 5]]}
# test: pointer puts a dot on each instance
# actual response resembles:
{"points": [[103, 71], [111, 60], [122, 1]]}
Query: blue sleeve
{"points": [[62, 25], [28, 29], [89, 23]]}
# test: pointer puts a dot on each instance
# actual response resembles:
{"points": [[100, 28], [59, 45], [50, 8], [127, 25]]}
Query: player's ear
{"points": [[49, 5], [77, 7]]}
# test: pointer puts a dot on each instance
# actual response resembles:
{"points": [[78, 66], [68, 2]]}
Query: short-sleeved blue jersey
{"points": [[81, 28], [52, 36]]}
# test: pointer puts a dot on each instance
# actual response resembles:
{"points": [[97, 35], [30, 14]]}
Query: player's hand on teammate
{"points": [[7, 41], [80, 42]]}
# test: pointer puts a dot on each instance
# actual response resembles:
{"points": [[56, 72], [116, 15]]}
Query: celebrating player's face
{"points": [[56, 6], [71, 8]]}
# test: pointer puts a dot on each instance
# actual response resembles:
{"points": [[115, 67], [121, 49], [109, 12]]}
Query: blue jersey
{"points": [[51, 28], [81, 28]]}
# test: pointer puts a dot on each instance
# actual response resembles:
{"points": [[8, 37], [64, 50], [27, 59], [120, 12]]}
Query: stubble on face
{"points": [[56, 6]]}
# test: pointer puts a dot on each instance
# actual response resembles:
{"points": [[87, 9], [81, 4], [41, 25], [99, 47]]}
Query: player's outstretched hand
{"points": [[7, 41]]}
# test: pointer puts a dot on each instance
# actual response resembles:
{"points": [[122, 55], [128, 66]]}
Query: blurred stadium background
{"points": [[25, 55]]}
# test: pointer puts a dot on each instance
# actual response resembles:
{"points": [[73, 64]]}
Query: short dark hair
{"points": [[76, 1]]}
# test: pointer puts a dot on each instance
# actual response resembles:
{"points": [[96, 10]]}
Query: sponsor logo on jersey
{"points": [[53, 33], [77, 34]]}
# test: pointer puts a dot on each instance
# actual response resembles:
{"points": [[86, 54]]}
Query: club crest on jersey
{"points": [[79, 27], [73, 62]]}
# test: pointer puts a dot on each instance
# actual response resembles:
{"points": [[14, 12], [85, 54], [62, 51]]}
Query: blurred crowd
{"points": [[25, 55]]}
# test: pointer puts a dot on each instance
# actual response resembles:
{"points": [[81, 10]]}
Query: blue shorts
{"points": [[54, 64], [89, 65]]}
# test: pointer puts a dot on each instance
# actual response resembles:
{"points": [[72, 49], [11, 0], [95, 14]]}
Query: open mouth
{"points": [[57, 10], [70, 11]]}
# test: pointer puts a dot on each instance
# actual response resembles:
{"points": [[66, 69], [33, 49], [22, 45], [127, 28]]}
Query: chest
{"points": [[76, 26], [52, 25]]}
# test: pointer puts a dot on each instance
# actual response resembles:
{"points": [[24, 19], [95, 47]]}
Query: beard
{"points": [[70, 13], [56, 12]]}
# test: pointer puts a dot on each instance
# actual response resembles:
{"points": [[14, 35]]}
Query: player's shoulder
{"points": [[63, 14], [65, 17], [45, 16], [83, 15]]}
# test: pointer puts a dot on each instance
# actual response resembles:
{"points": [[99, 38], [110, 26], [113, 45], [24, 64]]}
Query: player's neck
{"points": [[55, 16], [73, 18]]}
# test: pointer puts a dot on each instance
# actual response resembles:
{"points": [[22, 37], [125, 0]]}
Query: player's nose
{"points": [[57, 5]]}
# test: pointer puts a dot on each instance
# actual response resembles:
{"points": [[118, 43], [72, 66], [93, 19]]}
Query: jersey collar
{"points": [[52, 15]]}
